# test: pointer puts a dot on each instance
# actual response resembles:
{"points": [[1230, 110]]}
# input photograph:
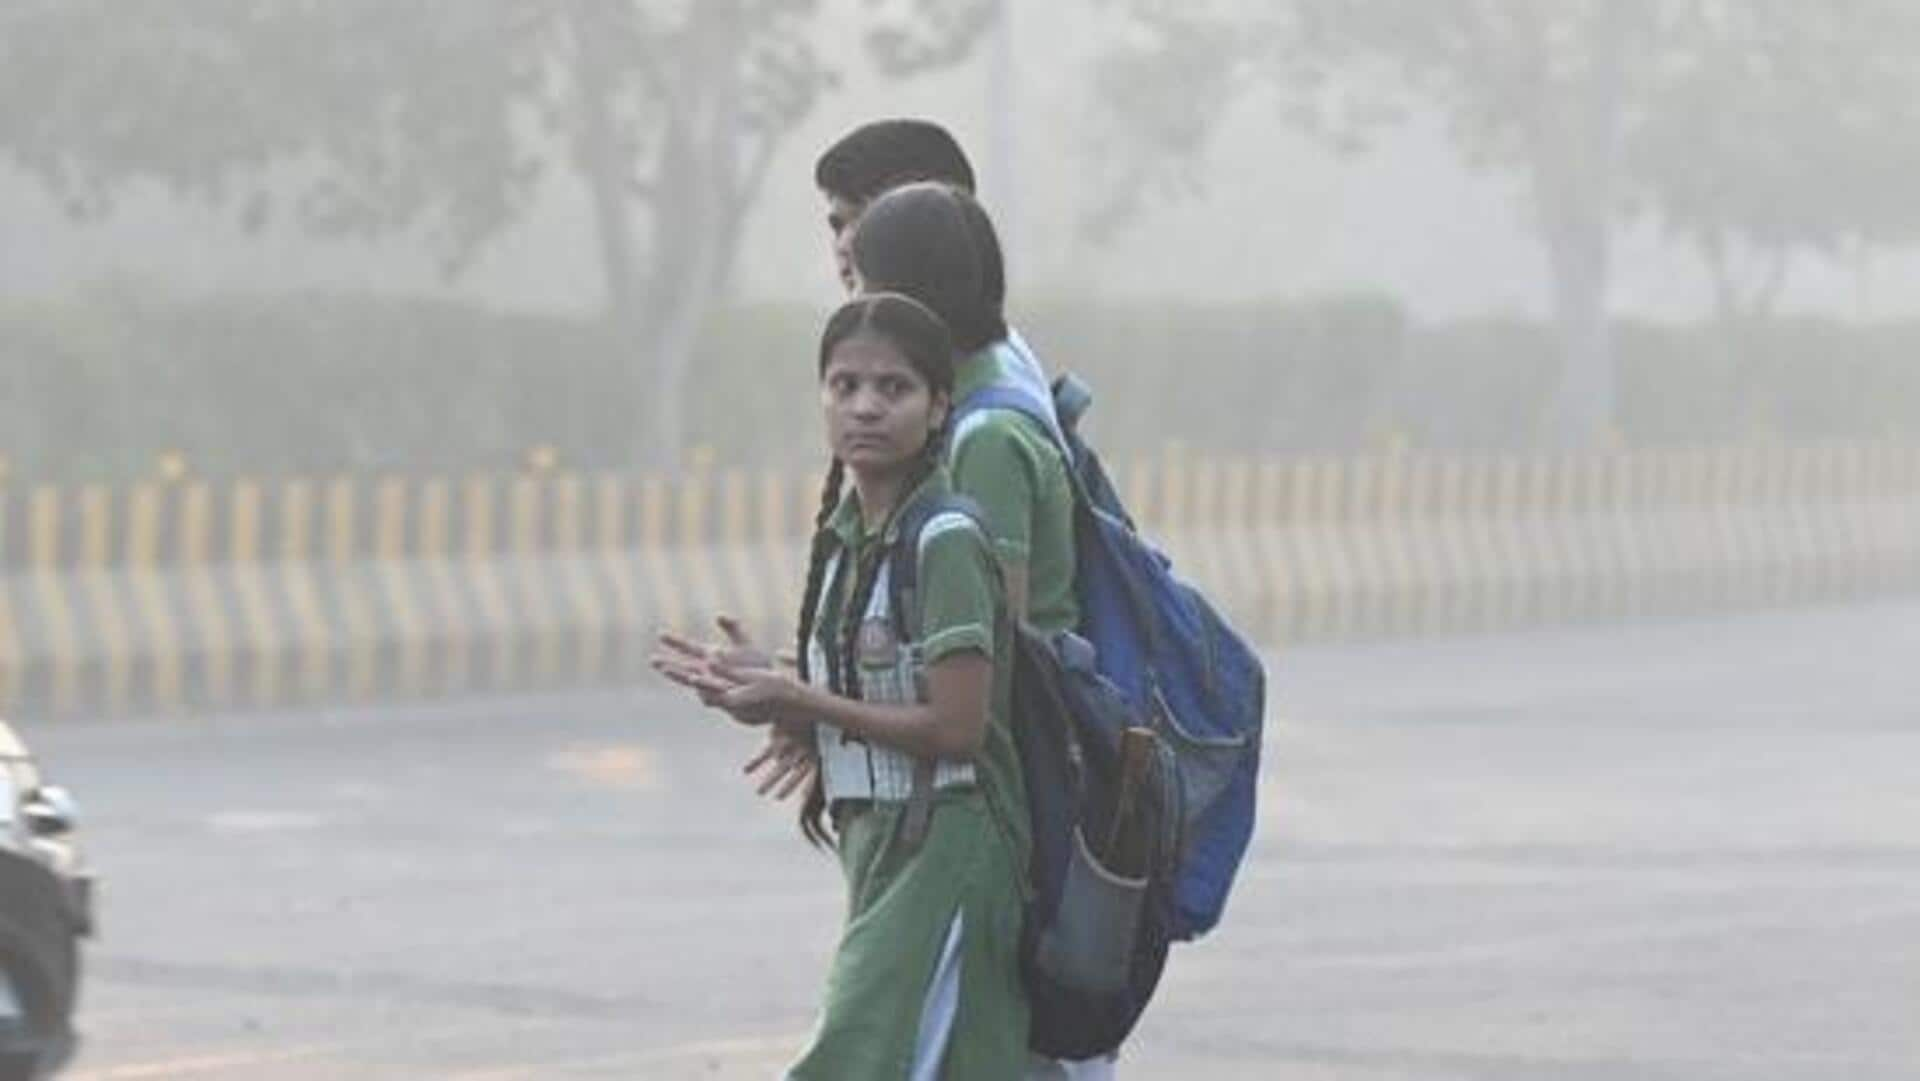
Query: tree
{"points": [[1779, 131], [1759, 126], [1540, 88], [443, 119]]}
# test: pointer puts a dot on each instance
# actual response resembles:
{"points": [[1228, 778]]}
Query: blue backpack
{"points": [[1177, 665], [1150, 653], [1094, 940]]}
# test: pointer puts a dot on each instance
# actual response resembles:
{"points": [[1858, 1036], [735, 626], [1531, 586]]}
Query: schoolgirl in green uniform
{"points": [[925, 982]]}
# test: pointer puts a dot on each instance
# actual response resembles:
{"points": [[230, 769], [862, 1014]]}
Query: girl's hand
{"points": [[695, 665], [697, 676], [788, 761], [742, 650], [738, 649], [756, 695], [740, 693], [692, 663]]}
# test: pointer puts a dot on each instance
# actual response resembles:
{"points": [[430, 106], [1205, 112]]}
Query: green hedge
{"points": [[97, 387], [312, 382]]}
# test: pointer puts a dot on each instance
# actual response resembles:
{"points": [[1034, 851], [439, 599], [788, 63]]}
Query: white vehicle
{"points": [[46, 906]]}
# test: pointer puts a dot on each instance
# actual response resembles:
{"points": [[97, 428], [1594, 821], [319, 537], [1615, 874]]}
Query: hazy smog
{"points": [[1534, 385]]}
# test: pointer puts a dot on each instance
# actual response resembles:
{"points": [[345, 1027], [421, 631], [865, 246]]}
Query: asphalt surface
{"points": [[1684, 852]]}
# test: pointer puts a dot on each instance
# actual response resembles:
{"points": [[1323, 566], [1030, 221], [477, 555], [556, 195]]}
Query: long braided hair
{"points": [[923, 340]]}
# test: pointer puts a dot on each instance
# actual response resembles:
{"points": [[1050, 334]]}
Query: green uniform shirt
{"points": [[1005, 461], [960, 601]]}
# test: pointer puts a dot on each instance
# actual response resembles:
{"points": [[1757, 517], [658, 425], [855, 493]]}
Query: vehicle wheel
{"points": [[39, 958]]}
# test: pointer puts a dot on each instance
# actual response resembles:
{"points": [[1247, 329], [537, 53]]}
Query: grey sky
{"points": [[1277, 216]]}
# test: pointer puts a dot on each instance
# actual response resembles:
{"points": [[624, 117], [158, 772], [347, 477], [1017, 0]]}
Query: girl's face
{"points": [[879, 410]]}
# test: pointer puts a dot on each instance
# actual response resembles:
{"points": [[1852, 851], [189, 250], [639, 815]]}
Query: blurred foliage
{"points": [[441, 120], [103, 386], [1773, 129], [1759, 131], [1785, 125]]}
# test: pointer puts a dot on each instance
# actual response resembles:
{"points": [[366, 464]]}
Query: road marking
{"points": [[609, 767]]}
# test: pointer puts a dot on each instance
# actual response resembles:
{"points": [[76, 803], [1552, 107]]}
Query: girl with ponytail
{"points": [[913, 777]]}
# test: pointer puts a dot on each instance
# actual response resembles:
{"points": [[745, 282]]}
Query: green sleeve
{"points": [[995, 468], [960, 592]]}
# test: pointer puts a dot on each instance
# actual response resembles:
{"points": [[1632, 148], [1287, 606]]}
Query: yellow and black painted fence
{"points": [[194, 594]]}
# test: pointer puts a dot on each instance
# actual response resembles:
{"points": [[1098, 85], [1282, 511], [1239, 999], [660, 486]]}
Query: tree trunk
{"points": [[1581, 411], [1718, 261], [656, 305], [607, 174], [697, 217], [1742, 310], [1576, 149]]}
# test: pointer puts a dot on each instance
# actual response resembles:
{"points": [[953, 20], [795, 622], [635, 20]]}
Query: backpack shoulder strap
{"points": [[903, 588], [1071, 400], [1003, 395], [903, 573]]}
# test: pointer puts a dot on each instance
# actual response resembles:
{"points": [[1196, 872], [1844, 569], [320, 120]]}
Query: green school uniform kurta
{"points": [[1007, 463], [903, 901]]}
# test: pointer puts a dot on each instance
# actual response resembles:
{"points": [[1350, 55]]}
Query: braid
{"points": [[817, 560], [813, 807]]}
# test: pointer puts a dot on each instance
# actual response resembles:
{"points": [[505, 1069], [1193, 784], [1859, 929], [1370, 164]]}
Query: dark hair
{"points": [[993, 264], [874, 158], [923, 340], [912, 326], [935, 244]]}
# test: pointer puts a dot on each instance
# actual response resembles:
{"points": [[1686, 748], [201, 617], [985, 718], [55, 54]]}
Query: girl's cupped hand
{"points": [[734, 676]]}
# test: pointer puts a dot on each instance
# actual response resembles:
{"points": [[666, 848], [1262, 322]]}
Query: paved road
{"points": [[1688, 852]]}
